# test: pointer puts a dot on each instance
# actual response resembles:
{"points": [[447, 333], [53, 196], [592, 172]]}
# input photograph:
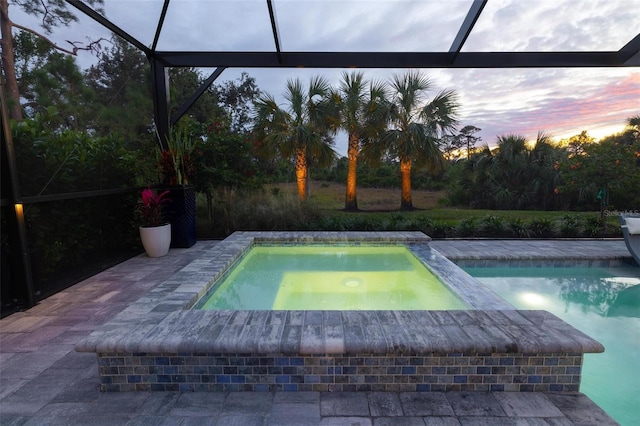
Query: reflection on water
{"points": [[604, 303], [614, 296]]}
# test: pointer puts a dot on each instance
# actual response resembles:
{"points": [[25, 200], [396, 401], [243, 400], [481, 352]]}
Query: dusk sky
{"points": [[559, 102]]}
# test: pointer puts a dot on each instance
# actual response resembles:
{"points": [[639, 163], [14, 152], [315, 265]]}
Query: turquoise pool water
{"points": [[602, 302], [322, 277]]}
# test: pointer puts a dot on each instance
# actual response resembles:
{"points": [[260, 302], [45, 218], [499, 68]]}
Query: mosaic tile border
{"points": [[491, 372]]}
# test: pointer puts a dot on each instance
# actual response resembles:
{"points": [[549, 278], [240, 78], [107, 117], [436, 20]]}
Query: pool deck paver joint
{"points": [[36, 351]]}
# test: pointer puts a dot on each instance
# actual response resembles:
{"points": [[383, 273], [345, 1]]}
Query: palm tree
{"points": [[515, 175], [415, 127], [509, 172], [361, 114], [301, 131], [633, 127], [544, 162]]}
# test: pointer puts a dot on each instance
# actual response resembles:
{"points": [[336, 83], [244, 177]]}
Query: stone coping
{"points": [[161, 320], [347, 332]]}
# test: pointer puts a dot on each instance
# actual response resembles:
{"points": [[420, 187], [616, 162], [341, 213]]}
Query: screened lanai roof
{"points": [[375, 33]]}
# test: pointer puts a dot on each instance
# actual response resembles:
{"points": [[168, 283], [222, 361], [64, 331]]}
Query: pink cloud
{"points": [[602, 107]]}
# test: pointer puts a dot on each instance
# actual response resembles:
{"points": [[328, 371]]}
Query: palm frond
{"points": [[441, 114]]}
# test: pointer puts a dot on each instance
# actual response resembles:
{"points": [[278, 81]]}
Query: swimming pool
{"points": [[330, 277], [603, 302]]}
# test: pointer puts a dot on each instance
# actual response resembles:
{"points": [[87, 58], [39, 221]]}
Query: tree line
{"points": [[396, 123]]}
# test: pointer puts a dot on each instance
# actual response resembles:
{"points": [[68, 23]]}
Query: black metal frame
{"points": [[627, 56]]}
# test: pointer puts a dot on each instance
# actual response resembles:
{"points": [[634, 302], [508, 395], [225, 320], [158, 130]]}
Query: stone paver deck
{"points": [[44, 381]]}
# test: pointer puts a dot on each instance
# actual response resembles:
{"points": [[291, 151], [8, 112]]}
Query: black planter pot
{"points": [[182, 215]]}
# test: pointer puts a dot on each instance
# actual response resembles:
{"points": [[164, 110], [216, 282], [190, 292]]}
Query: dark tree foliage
{"points": [[49, 79], [237, 97], [183, 82], [123, 105], [514, 175], [52, 13], [605, 175]]}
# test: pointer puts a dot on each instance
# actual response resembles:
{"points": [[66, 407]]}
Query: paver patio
{"points": [[44, 381]]}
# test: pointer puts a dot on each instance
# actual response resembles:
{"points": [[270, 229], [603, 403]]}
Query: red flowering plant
{"points": [[152, 207]]}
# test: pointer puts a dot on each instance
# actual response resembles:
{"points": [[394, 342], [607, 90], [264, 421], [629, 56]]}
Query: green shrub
{"points": [[570, 226], [518, 228], [467, 228], [541, 228], [420, 222], [441, 230], [593, 227], [493, 226], [246, 210]]}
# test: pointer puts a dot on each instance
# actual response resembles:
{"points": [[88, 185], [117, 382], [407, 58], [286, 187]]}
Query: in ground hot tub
{"points": [[330, 277], [160, 343]]}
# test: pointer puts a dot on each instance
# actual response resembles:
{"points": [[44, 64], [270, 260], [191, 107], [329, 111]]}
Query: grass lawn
{"points": [[277, 208], [330, 197]]}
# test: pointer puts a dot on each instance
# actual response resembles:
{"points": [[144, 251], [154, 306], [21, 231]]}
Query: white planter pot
{"points": [[156, 239]]}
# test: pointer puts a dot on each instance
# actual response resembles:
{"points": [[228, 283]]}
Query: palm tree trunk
{"points": [[8, 62], [405, 174], [301, 172], [351, 203]]}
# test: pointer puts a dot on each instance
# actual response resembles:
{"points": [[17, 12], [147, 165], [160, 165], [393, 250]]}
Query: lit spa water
{"points": [[604, 303], [316, 277]]}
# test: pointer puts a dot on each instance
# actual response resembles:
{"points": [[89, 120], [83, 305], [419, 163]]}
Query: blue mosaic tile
{"points": [[534, 379], [439, 370], [134, 379], [484, 370], [252, 361], [296, 361], [460, 379], [506, 361], [282, 361], [178, 378], [223, 378], [162, 360], [352, 370], [164, 378], [408, 370], [297, 378], [311, 379], [170, 370], [282, 379], [237, 379]]}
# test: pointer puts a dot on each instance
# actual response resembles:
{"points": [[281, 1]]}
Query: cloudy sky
{"points": [[560, 102]]}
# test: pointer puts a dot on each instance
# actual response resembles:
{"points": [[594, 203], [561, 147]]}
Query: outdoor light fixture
{"points": [[19, 211]]}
